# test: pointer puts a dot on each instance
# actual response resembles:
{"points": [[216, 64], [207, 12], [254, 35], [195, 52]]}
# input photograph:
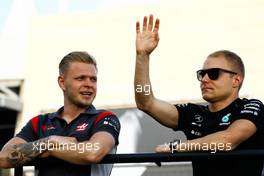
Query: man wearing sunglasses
{"points": [[225, 123]]}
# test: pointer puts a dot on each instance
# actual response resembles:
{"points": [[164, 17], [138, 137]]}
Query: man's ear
{"points": [[61, 82], [237, 80]]}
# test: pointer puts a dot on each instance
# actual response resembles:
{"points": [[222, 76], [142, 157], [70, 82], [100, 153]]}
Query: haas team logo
{"points": [[81, 127]]}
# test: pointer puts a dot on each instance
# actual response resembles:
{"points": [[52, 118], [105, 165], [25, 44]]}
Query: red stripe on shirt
{"points": [[102, 115], [34, 122]]}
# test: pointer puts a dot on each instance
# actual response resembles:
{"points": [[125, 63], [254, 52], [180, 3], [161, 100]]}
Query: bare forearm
{"points": [[142, 84], [68, 149], [75, 155], [199, 144], [3, 162], [218, 141], [15, 155]]}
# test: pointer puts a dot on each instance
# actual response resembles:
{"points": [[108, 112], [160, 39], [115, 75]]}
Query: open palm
{"points": [[147, 39]]}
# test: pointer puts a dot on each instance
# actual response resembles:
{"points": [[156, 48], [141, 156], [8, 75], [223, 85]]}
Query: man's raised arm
{"points": [[146, 41]]}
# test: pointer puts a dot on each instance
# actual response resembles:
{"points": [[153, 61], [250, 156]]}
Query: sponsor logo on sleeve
{"points": [[110, 124], [251, 108]]}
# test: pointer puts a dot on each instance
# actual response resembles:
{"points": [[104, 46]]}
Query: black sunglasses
{"points": [[213, 73]]}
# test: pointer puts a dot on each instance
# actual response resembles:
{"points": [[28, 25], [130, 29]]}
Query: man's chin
{"points": [[207, 98], [85, 104]]}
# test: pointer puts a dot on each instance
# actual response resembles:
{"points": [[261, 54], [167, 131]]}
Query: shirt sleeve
{"points": [[183, 117], [110, 124], [27, 132], [253, 110]]}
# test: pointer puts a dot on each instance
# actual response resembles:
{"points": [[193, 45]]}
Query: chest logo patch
{"points": [[225, 119], [47, 127], [82, 127], [198, 118]]}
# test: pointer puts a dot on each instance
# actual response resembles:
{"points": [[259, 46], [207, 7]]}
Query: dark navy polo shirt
{"points": [[82, 128]]}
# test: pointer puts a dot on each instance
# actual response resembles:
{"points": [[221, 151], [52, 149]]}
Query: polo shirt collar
{"points": [[89, 110]]}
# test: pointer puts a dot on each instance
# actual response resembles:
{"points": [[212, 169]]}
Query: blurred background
{"points": [[36, 34]]}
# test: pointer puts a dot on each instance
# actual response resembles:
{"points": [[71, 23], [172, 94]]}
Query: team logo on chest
{"points": [[225, 120], [47, 127], [81, 127], [198, 119]]}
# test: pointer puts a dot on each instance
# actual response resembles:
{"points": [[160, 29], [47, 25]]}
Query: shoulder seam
{"points": [[102, 115]]}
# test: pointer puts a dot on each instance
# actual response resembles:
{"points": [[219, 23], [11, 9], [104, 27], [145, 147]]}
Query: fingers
{"points": [[156, 27], [137, 27], [148, 24], [145, 23]]}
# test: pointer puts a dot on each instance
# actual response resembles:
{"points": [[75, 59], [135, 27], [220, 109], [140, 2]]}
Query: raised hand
{"points": [[147, 39]]}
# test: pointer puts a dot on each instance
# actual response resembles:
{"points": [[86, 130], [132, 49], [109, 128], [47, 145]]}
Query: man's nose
{"points": [[88, 82], [205, 78]]}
